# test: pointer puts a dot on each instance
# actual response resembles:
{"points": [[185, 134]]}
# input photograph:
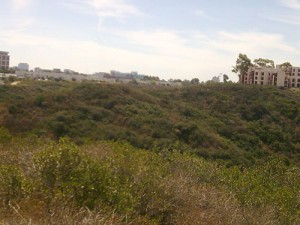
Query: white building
{"points": [[4, 60], [264, 76], [216, 79], [293, 78], [50, 74], [23, 66]]}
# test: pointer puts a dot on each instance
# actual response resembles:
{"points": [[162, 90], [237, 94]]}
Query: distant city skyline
{"points": [[170, 39]]}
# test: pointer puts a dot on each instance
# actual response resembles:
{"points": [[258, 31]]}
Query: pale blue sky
{"points": [[165, 38]]}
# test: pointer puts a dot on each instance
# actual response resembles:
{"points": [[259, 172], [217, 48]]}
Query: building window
{"points": [[255, 82], [262, 73], [261, 83], [256, 73]]}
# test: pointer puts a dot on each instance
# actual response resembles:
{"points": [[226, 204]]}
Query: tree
{"points": [[195, 81], [225, 78], [264, 63], [243, 63], [285, 66]]}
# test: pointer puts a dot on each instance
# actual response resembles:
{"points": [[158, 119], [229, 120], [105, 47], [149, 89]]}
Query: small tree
{"points": [[225, 78], [285, 66], [243, 63], [195, 81]]}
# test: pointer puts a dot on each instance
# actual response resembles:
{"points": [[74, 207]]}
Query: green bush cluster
{"points": [[232, 123], [156, 186], [272, 184]]}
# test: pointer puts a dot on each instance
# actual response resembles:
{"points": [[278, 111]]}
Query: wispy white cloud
{"points": [[199, 12], [19, 5], [285, 18], [164, 53], [251, 42], [104, 9], [113, 8], [293, 4]]}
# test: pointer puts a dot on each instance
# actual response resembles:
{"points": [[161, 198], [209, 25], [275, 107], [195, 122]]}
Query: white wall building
{"points": [[293, 78], [4, 60], [50, 74], [264, 76], [23, 66], [216, 79]]}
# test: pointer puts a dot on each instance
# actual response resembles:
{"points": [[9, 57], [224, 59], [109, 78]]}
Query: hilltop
{"points": [[232, 123]]}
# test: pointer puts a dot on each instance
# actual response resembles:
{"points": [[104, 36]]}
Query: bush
{"points": [[5, 136], [13, 184], [65, 172]]}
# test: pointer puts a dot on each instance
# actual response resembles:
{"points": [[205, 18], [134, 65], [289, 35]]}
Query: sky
{"points": [[171, 39]]}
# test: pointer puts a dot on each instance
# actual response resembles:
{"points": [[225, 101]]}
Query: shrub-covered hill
{"points": [[44, 182], [233, 123]]}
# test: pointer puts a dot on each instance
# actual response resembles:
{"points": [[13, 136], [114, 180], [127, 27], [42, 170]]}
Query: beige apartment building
{"points": [[293, 78], [271, 76], [4, 60]]}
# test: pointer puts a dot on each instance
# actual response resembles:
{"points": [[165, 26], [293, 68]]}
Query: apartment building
{"points": [[263, 76], [4, 60], [272, 76], [292, 79], [23, 66]]}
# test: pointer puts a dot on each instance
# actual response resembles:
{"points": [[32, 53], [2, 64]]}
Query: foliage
{"points": [[5, 135], [225, 78], [285, 66], [64, 171], [264, 63], [229, 123], [272, 183], [141, 187], [13, 183], [243, 63]]}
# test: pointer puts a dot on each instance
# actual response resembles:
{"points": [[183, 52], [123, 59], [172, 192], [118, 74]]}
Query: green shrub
{"points": [[65, 172], [272, 184], [13, 183], [5, 135]]}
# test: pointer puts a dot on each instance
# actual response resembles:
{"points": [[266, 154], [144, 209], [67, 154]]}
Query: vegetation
{"points": [[233, 124], [93, 153], [243, 63], [264, 63], [47, 182]]}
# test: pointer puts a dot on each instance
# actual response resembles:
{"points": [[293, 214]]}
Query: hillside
{"points": [[48, 183], [111, 154], [231, 123]]}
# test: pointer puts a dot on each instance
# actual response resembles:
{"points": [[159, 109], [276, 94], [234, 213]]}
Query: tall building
{"points": [[272, 76], [292, 78], [4, 60], [23, 66]]}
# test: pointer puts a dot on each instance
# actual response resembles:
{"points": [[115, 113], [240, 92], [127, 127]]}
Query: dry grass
{"points": [[183, 198], [196, 203]]}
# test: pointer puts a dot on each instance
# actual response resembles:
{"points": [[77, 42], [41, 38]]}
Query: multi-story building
{"points": [[292, 78], [23, 66], [272, 76], [4, 60]]}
